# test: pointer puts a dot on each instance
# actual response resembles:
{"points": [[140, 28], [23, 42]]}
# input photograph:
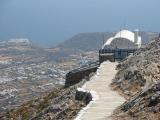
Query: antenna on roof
{"points": [[120, 36], [125, 25], [120, 31], [103, 39]]}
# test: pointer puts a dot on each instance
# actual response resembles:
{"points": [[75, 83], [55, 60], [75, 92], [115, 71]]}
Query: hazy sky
{"points": [[49, 22]]}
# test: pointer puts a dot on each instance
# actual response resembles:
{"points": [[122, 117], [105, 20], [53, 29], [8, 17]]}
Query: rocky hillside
{"points": [[86, 41], [60, 104], [138, 80]]}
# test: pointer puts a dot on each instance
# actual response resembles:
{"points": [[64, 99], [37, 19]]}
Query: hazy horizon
{"points": [[49, 22]]}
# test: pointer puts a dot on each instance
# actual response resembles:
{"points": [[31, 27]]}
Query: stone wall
{"points": [[103, 58], [76, 77]]}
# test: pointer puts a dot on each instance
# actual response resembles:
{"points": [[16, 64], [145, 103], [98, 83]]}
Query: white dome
{"points": [[126, 34]]}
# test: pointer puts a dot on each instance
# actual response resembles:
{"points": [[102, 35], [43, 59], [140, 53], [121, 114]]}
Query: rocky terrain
{"points": [[138, 80]]}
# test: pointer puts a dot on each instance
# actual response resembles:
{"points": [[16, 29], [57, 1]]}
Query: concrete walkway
{"points": [[104, 99]]}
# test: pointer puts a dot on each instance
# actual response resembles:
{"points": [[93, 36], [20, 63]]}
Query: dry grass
{"points": [[33, 107]]}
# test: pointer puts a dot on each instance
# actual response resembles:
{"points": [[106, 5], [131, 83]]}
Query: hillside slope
{"points": [[86, 41], [138, 80], [59, 104]]}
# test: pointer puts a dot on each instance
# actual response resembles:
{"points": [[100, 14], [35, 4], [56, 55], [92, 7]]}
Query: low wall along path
{"points": [[104, 99]]}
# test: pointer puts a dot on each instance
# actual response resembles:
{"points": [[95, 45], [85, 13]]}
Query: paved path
{"points": [[105, 100]]}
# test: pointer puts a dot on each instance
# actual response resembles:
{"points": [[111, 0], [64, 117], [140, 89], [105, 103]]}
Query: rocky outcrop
{"points": [[143, 106], [82, 95], [138, 80]]}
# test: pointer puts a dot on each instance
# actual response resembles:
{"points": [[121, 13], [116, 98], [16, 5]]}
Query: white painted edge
{"points": [[93, 93]]}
